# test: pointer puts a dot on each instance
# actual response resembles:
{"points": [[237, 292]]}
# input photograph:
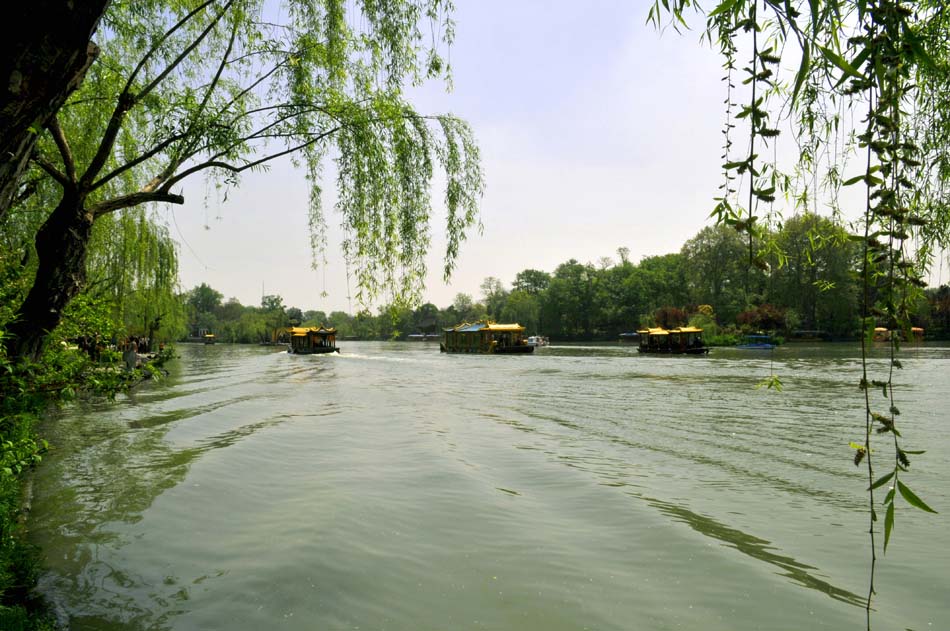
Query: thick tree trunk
{"points": [[61, 246], [48, 52]]}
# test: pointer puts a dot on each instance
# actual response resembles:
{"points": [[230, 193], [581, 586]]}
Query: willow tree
{"points": [[132, 267], [864, 84], [216, 88]]}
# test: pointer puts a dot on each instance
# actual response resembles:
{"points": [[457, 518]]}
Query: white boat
{"points": [[537, 340]]}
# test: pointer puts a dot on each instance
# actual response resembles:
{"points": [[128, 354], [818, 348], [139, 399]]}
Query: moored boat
{"points": [[485, 338], [537, 340], [686, 340]]}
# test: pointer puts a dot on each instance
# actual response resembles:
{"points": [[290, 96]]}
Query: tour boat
{"points": [[485, 338], [686, 340], [312, 340]]}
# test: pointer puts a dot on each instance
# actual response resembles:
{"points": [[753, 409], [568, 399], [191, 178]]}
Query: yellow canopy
{"points": [[505, 327]]}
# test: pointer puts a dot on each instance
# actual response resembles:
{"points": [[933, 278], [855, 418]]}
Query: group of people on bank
{"points": [[134, 348]]}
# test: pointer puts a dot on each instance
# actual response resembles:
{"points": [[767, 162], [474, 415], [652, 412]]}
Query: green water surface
{"points": [[394, 487]]}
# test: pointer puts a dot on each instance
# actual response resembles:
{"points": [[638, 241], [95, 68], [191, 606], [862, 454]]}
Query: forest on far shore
{"points": [[708, 283]]}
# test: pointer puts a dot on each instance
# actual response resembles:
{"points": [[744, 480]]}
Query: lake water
{"points": [[394, 487]]}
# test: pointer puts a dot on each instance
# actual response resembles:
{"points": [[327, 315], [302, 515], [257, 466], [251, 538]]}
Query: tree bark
{"points": [[61, 246], [49, 49]]}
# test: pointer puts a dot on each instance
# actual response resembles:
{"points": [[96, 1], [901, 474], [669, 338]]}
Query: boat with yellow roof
{"points": [[684, 340], [311, 340], [485, 337]]}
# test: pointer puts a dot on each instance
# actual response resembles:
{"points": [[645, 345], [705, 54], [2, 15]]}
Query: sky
{"points": [[597, 132]]}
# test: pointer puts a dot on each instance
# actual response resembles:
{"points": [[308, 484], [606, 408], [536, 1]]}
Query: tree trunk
{"points": [[49, 51], [61, 246]]}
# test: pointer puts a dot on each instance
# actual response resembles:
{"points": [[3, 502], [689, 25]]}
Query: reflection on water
{"points": [[394, 487]]}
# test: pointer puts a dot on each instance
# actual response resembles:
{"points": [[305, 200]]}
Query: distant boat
{"points": [[485, 338], [209, 338], [685, 340], [537, 340], [630, 337], [757, 342], [312, 340], [884, 335]]}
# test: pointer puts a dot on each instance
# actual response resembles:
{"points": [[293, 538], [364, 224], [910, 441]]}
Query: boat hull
{"points": [[314, 351], [689, 351]]}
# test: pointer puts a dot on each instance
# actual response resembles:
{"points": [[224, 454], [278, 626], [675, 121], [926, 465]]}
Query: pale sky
{"points": [[597, 132]]}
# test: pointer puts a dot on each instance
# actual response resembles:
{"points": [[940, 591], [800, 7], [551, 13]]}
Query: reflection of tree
{"points": [[754, 547], [98, 484]]}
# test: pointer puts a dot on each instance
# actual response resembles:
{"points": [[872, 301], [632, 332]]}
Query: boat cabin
{"points": [[312, 340], [486, 338], [682, 340]]}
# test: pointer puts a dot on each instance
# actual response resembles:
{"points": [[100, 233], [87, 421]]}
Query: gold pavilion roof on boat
{"points": [[470, 327], [298, 331], [662, 331]]}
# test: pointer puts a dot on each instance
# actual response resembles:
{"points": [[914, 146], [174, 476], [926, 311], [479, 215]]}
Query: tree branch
{"points": [[142, 158], [134, 199], [175, 162], [68, 163], [184, 54], [250, 165], [127, 100], [51, 169]]}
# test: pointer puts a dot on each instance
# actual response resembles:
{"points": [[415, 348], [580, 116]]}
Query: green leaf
{"points": [[912, 498], [840, 62], [802, 71], [723, 7], [889, 498], [888, 524], [881, 481]]}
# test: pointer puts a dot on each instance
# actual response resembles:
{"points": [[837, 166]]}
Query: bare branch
{"points": [[134, 199], [68, 163], [51, 169], [211, 164], [142, 158]]}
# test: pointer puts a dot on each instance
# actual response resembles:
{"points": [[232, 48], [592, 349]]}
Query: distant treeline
{"points": [[808, 284]]}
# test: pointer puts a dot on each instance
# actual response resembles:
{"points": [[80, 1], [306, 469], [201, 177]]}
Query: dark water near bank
{"points": [[393, 487]]}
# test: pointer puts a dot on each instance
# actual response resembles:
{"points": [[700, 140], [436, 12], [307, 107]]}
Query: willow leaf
{"points": [[912, 498], [888, 524], [840, 62], [882, 481], [802, 71]]}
